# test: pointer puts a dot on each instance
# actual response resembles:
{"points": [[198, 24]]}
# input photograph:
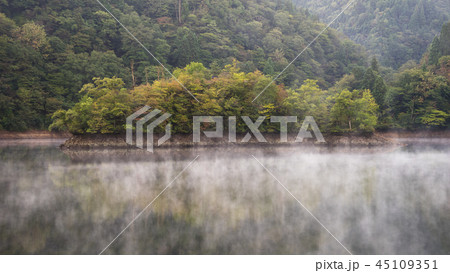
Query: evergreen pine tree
{"points": [[215, 68], [269, 67], [379, 91], [444, 41], [369, 79], [435, 52], [418, 17], [374, 65]]}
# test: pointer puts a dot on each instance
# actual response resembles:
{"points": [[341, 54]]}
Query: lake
{"points": [[279, 200]]}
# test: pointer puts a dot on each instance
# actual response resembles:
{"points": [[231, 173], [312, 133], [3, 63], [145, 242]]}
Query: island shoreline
{"points": [[98, 141], [117, 141], [33, 134]]}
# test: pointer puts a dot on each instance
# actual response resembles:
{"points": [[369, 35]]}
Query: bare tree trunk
{"points": [[132, 73], [146, 75], [350, 124], [179, 11], [176, 11]]}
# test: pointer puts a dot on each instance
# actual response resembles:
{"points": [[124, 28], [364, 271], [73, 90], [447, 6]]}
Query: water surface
{"points": [[374, 201]]}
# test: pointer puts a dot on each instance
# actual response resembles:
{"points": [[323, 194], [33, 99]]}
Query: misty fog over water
{"points": [[375, 201]]}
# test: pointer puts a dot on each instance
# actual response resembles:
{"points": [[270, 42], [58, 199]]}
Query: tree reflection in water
{"points": [[374, 201]]}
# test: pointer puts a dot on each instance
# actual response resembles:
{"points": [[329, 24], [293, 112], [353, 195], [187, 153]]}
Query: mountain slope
{"points": [[394, 30], [50, 48]]}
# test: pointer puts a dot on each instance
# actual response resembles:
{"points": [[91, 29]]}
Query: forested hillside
{"points": [[396, 31], [416, 97], [49, 49], [68, 65]]}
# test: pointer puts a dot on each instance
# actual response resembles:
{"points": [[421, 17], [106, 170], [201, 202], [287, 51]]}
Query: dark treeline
{"points": [[224, 52]]}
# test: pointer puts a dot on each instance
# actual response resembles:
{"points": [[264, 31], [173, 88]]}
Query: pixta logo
{"points": [[150, 128], [253, 127]]}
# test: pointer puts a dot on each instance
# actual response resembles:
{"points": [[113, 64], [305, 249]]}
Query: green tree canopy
{"points": [[355, 111]]}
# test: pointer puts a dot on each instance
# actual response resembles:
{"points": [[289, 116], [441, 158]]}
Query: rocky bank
{"points": [[99, 141]]}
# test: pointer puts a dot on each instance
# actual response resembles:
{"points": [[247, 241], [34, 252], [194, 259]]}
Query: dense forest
{"points": [[50, 49], [395, 31], [68, 65]]}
